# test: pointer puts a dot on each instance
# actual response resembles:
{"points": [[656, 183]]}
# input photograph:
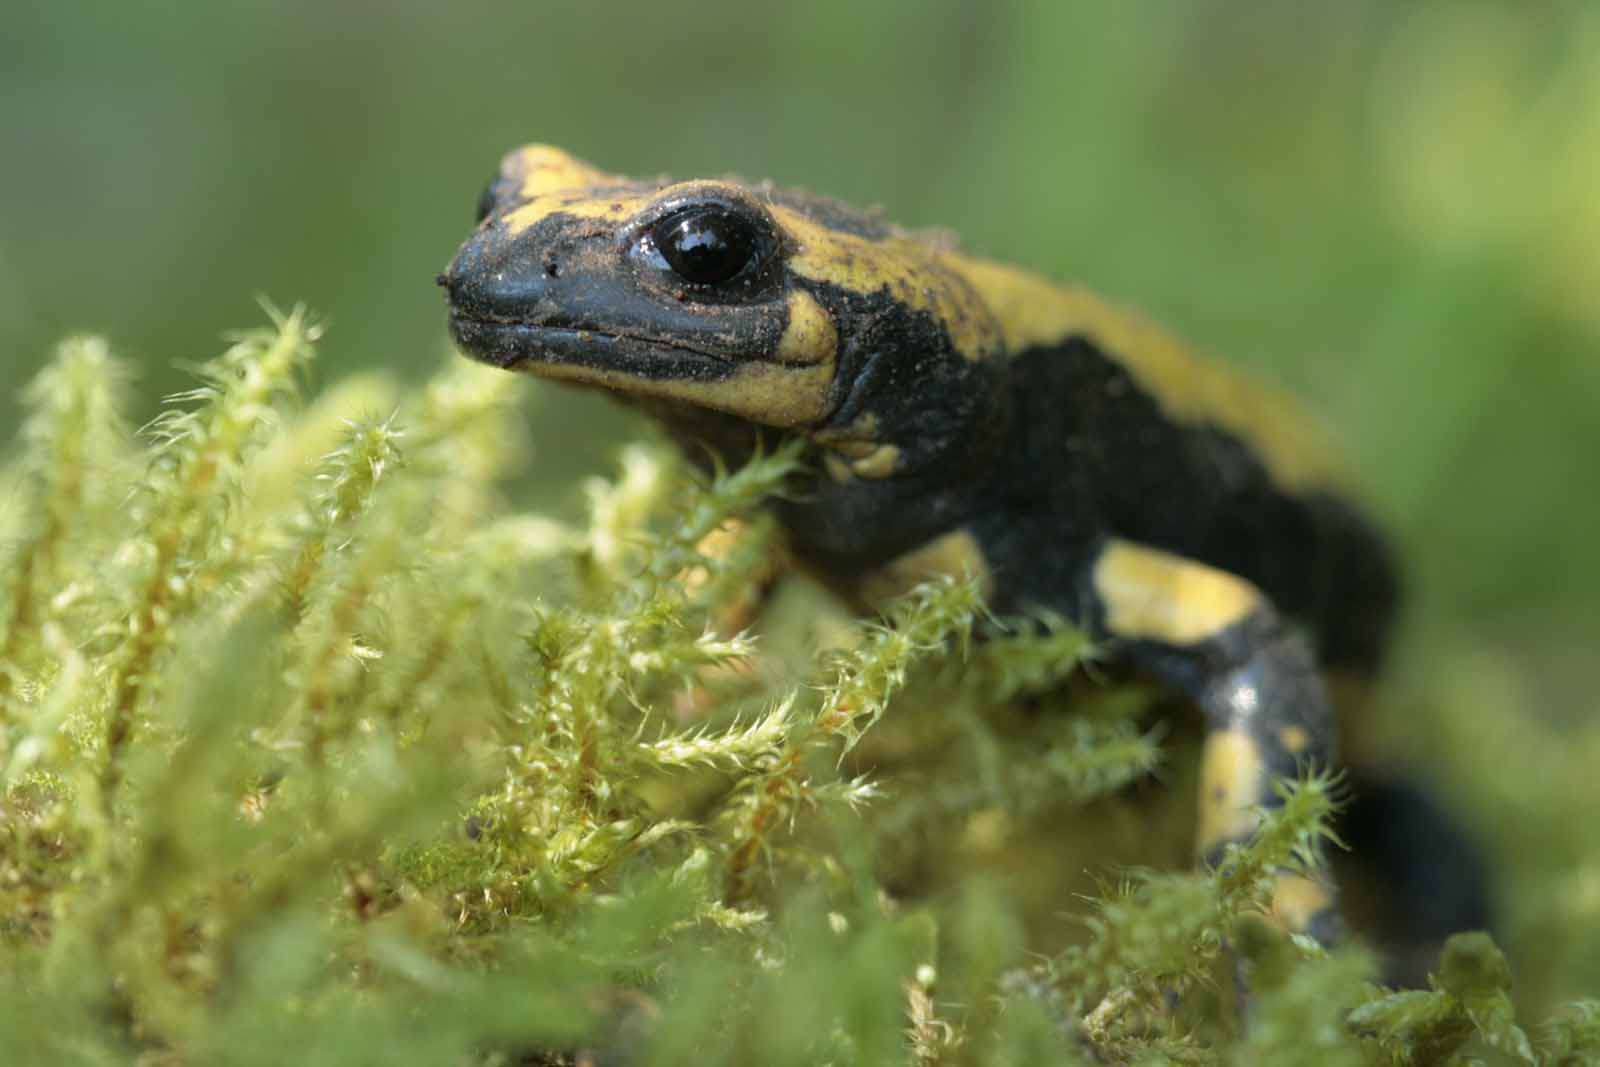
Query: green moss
{"points": [[314, 751]]}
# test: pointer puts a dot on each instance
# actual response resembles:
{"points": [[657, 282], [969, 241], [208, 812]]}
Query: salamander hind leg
{"points": [[1215, 637]]}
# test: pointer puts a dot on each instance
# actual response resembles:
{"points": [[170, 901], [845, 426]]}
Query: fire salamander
{"points": [[962, 416]]}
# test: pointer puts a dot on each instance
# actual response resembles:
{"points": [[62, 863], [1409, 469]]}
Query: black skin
{"points": [[1043, 457]]}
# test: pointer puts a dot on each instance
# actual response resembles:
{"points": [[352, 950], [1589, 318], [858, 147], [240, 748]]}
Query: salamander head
{"points": [[778, 308]]}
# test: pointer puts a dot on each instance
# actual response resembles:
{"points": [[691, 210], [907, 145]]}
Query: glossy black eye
{"points": [[708, 245], [486, 201]]}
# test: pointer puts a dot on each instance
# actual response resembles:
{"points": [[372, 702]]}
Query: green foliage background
{"points": [[1389, 207]]}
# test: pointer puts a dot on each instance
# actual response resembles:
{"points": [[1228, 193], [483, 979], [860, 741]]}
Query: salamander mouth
{"points": [[520, 345]]}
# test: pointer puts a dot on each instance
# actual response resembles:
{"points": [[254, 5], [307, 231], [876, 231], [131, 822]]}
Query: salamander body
{"points": [[962, 416]]}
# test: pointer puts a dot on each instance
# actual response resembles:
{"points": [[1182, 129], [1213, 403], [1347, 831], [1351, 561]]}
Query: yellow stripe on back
{"points": [[1034, 311]]}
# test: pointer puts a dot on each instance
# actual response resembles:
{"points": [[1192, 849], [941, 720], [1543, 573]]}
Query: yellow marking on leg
{"points": [[1297, 901], [855, 440], [838, 468], [1294, 739], [879, 463], [855, 451], [955, 555], [1158, 596], [1231, 777]]}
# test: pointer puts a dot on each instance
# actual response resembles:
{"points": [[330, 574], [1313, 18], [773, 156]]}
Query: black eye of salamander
{"points": [[706, 245]]}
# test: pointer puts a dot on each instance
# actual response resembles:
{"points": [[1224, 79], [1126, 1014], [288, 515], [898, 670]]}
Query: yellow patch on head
{"points": [[1232, 777], [762, 392], [553, 182], [544, 169], [810, 336], [911, 271], [613, 209], [1158, 596]]}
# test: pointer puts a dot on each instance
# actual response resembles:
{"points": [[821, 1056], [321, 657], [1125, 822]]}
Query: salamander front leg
{"points": [[1215, 637]]}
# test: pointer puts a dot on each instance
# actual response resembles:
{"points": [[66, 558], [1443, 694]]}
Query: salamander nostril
{"points": [[442, 280], [552, 269]]}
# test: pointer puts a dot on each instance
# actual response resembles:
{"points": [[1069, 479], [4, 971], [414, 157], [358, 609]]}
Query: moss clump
{"points": [[313, 751]]}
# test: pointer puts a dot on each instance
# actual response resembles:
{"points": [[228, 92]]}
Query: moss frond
{"points": [[311, 746], [73, 466]]}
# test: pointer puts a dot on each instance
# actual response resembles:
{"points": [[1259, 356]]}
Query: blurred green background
{"points": [[1392, 208]]}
